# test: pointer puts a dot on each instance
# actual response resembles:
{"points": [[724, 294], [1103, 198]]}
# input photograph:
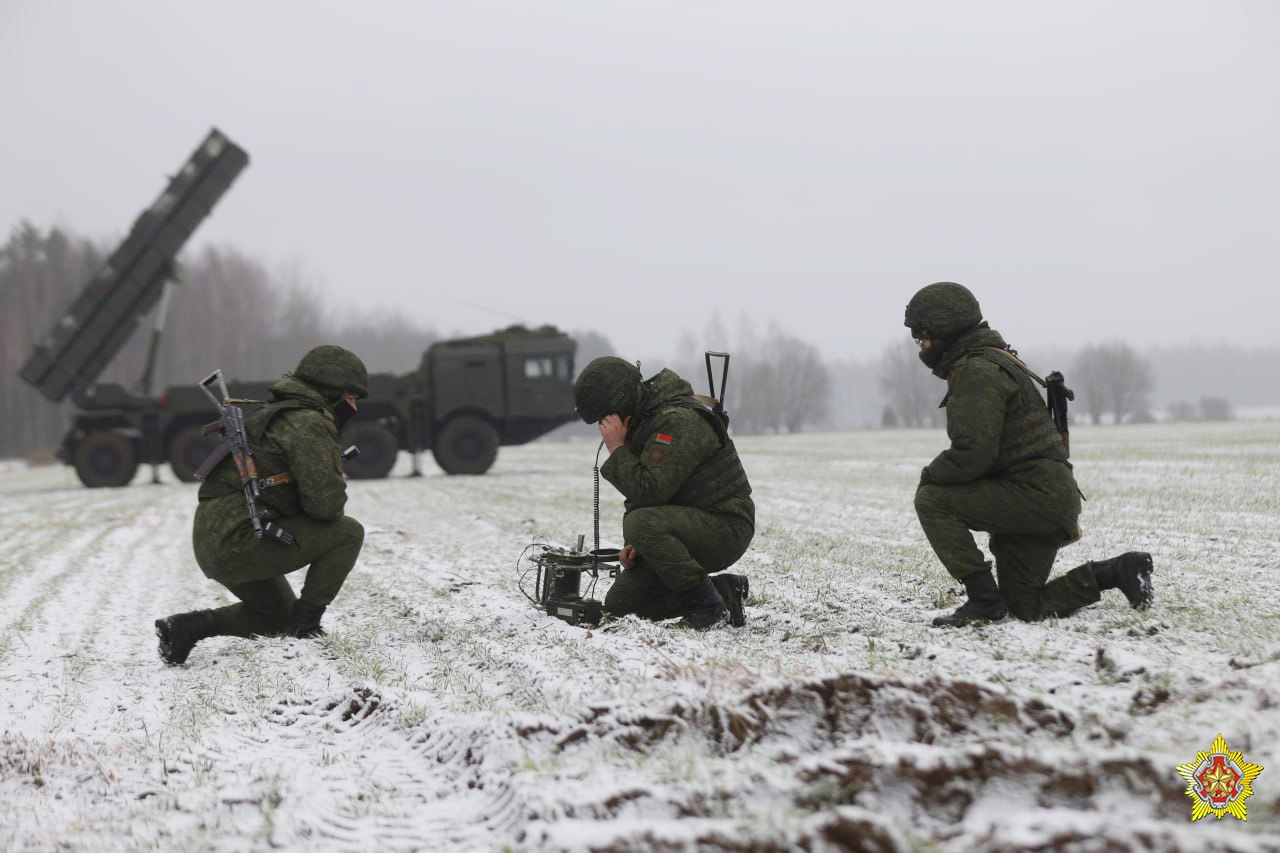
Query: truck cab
{"points": [[468, 397]]}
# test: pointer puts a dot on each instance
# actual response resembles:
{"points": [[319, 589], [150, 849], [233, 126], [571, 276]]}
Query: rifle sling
{"points": [[1021, 364], [211, 461]]}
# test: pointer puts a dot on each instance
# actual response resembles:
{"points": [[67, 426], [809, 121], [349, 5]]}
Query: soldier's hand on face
{"points": [[627, 556], [614, 431]]}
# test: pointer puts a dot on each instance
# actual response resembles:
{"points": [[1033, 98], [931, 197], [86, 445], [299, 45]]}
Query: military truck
{"points": [[467, 397]]}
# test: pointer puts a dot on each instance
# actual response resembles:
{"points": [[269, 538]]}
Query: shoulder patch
{"points": [[657, 449]]}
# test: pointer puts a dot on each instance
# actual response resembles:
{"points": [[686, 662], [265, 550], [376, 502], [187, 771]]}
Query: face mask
{"points": [[342, 413], [931, 356]]}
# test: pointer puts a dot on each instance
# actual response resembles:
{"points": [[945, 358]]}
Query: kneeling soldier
{"points": [[295, 443], [689, 512], [1006, 473]]}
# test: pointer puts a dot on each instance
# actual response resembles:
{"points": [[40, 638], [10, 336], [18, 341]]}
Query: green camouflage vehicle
{"points": [[466, 398]]}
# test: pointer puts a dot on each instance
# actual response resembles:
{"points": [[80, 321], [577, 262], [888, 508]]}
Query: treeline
{"points": [[227, 311], [1113, 382]]}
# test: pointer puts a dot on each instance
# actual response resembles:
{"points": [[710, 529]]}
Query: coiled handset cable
{"points": [[595, 507]]}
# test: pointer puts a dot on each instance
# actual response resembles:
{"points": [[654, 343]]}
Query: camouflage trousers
{"points": [[677, 547], [1027, 526], [254, 570]]}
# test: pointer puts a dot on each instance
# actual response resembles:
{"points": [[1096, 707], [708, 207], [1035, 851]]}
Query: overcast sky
{"points": [[1092, 170]]}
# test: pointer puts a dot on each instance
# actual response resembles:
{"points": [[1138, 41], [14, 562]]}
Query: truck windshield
{"points": [[548, 367]]}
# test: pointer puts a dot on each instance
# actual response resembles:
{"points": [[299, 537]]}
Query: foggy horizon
{"points": [[1093, 172]]}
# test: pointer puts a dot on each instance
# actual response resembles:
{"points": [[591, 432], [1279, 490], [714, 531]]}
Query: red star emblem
{"points": [[1218, 781]]}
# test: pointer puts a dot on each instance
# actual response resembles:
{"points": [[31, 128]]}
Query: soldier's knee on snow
{"points": [[1023, 610], [275, 615], [621, 599]]}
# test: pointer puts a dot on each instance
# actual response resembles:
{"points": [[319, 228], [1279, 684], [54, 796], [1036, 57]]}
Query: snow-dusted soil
{"points": [[444, 712]]}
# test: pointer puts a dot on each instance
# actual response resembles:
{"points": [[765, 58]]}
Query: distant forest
{"points": [[229, 311]]}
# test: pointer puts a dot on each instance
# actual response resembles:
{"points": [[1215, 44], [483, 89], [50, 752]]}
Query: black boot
{"points": [[180, 632], [306, 620], [706, 607], [1131, 574], [984, 604], [733, 589]]}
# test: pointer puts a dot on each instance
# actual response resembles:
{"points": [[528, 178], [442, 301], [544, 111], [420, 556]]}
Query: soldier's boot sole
{"points": [[179, 633], [1133, 578], [733, 589]]}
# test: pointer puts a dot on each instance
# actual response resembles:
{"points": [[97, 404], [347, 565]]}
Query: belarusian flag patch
{"points": [[662, 438]]}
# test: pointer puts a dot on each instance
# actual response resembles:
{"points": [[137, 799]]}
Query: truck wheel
{"points": [[105, 458], [466, 445], [188, 450], [378, 451]]}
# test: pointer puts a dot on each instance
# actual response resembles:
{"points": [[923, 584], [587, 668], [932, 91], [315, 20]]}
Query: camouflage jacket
{"points": [[996, 417], [295, 432], [675, 455]]}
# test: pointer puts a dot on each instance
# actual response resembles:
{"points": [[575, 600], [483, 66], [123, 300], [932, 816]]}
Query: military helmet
{"points": [[333, 369], [607, 386], [942, 310]]}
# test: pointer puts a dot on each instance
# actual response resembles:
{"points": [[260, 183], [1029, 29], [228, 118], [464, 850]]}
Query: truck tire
{"points": [[378, 451], [105, 458], [466, 445], [188, 450]]}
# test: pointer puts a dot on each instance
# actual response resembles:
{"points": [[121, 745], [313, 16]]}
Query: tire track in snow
{"points": [[82, 595], [354, 775]]}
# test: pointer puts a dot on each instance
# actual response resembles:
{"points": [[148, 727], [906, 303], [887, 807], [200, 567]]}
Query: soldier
{"points": [[1006, 473], [689, 511], [295, 434]]}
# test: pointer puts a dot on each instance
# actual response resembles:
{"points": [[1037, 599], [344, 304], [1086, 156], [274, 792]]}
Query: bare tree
{"points": [[801, 391], [779, 381], [1112, 378], [910, 389], [226, 311], [40, 274]]}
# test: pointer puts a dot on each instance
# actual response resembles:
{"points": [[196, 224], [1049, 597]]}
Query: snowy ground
{"points": [[445, 712]]}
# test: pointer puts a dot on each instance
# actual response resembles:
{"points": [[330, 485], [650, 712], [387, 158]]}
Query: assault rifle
{"points": [[231, 424], [716, 404], [1056, 396]]}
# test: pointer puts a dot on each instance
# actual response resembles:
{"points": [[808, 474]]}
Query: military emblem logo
{"points": [[1219, 781]]}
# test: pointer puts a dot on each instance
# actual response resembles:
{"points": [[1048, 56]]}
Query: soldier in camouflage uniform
{"points": [[1006, 473], [689, 512], [296, 433]]}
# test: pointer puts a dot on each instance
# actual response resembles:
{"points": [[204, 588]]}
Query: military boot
{"points": [[706, 607], [733, 589], [306, 620], [180, 632], [1131, 574], [984, 605]]}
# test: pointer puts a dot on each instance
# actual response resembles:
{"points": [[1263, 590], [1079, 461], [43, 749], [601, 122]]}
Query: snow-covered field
{"points": [[444, 712]]}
